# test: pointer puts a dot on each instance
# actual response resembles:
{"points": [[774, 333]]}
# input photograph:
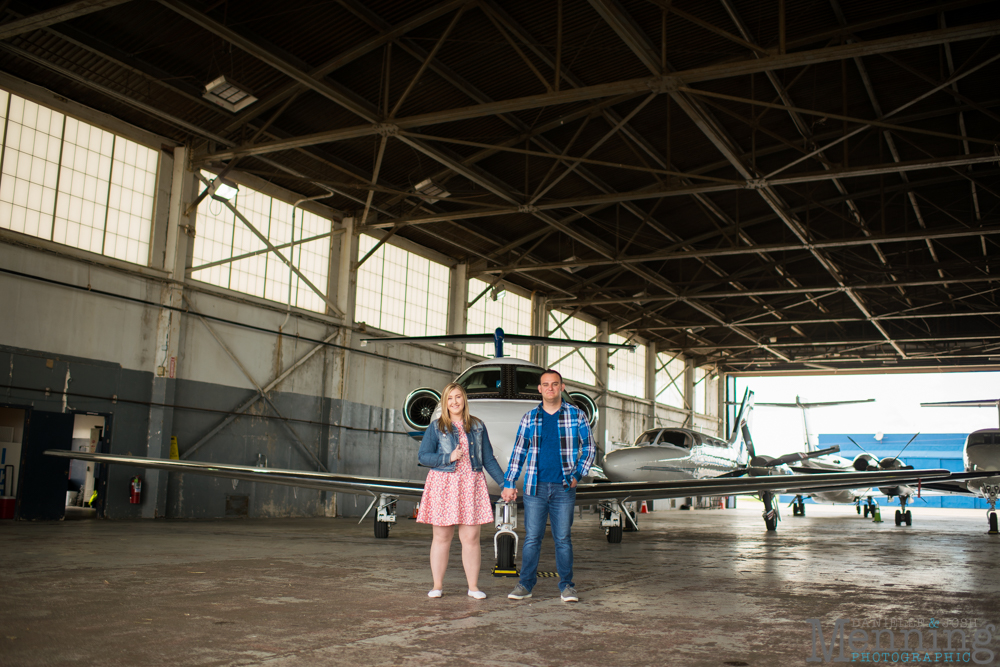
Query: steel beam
{"points": [[60, 14], [631, 86]]}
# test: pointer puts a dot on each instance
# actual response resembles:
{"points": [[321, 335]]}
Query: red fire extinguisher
{"points": [[135, 490]]}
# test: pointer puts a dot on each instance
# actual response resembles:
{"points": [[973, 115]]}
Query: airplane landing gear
{"points": [[857, 505], [770, 511], [612, 520], [869, 507], [505, 539], [798, 506], [629, 524], [992, 492], [902, 514], [385, 516]]}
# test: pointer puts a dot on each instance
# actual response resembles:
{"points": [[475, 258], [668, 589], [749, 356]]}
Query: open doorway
{"points": [[86, 489], [50, 488], [12, 423]]}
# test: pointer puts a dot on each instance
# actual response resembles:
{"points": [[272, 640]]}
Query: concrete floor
{"points": [[692, 588]]}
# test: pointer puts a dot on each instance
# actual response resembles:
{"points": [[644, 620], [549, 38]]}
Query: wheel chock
{"points": [[497, 572]]}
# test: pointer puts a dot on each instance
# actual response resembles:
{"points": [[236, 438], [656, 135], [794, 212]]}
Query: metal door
{"points": [[43, 480]]}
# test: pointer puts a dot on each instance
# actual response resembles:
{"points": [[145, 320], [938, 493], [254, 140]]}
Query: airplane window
{"points": [[527, 380], [481, 381], [674, 438], [984, 439], [647, 438]]}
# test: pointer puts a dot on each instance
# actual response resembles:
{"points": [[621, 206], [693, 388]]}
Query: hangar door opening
{"points": [[50, 488], [12, 429]]}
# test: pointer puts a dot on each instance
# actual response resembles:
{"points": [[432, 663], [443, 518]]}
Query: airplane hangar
{"points": [[211, 210]]}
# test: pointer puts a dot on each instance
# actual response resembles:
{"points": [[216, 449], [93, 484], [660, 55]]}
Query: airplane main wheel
{"points": [[381, 529], [615, 535], [899, 518], [627, 525], [908, 518], [802, 509], [866, 511], [993, 523], [505, 552], [771, 523]]}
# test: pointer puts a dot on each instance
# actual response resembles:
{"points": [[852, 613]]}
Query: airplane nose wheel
{"points": [[992, 491], [902, 514]]}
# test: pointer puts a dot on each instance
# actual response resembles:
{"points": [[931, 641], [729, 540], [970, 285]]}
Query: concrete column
{"points": [[177, 258], [602, 387], [651, 384], [458, 299], [458, 310], [347, 272], [539, 327], [689, 391]]}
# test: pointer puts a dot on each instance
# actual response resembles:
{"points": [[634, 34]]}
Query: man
{"points": [[555, 447]]}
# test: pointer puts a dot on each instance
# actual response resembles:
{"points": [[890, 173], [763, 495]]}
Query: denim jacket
{"points": [[436, 448]]}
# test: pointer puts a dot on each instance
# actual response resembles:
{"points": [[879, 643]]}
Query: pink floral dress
{"points": [[459, 497]]}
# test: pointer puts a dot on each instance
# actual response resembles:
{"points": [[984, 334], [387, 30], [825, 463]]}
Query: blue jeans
{"points": [[555, 503]]}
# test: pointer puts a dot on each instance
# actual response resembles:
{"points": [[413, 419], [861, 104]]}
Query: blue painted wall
{"points": [[928, 450]]}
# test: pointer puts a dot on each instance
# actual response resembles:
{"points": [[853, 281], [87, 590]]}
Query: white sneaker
{"points": [[436, 593], [479, 595]]}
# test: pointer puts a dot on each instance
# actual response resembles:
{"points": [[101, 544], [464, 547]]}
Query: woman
{"points": [[457, 448]]}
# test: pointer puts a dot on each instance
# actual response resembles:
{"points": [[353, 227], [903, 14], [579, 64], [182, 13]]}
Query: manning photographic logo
{"points": [[902, 641]]}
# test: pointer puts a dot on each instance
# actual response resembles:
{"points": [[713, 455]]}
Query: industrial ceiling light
{"points": [[498, 292], [228, 94], [223, 189], [431, 189]]}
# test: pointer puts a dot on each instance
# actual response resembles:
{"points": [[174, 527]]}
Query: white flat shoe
{"points": [[479, 595], [436, 593]]}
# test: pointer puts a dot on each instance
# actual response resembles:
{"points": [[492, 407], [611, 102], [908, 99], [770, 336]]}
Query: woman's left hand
{"points": [[456, 455]]}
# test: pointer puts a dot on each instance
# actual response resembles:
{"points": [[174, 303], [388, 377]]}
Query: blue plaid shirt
{"points": [[577, 448]]}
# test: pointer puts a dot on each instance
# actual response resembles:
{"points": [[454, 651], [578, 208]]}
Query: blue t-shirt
{"points": [[549, 457]]}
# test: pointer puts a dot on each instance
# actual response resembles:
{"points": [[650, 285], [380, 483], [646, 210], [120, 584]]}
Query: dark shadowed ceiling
{"points": [[788, 185]]}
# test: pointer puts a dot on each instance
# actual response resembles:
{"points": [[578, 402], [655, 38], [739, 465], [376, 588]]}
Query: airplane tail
{"points": [[743, 423]]}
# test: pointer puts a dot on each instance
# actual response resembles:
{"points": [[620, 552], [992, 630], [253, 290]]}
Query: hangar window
{"points": [[627, 370], [510, 312], [573, 363], [73, 183], [227, 253], [705, 395], [401, 292], [670, 379]]}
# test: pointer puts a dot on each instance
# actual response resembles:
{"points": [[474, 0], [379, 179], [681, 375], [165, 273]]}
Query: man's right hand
{"points": [[509, 495]]}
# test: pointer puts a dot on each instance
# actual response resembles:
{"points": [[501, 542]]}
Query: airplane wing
{"points": [[732, 486], [585, 493], [307, 479]]}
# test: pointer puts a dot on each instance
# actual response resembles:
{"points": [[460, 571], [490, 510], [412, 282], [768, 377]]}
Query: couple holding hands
{"points": [[555, 448]]}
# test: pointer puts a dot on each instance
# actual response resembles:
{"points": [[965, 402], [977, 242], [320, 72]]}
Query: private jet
{"points": [[500, 391], [980, 454]]}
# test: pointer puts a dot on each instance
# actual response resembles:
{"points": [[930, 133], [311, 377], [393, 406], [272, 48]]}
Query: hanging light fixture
{"points": [[228, 94]]}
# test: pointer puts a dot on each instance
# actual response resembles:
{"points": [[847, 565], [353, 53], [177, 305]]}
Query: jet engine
{"points": [[865, 462], [892, 463], [585, 403], [419, 406]]}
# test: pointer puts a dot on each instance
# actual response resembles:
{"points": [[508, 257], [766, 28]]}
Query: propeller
{"points": [[767, 461]]}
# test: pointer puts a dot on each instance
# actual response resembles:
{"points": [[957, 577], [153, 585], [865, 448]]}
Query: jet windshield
{"points": [[526, 380], [503, 381], [648, 437], [482, 381], [984, 438]]}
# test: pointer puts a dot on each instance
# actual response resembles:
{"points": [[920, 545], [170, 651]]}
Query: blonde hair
{"points": [[444, 421]]}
